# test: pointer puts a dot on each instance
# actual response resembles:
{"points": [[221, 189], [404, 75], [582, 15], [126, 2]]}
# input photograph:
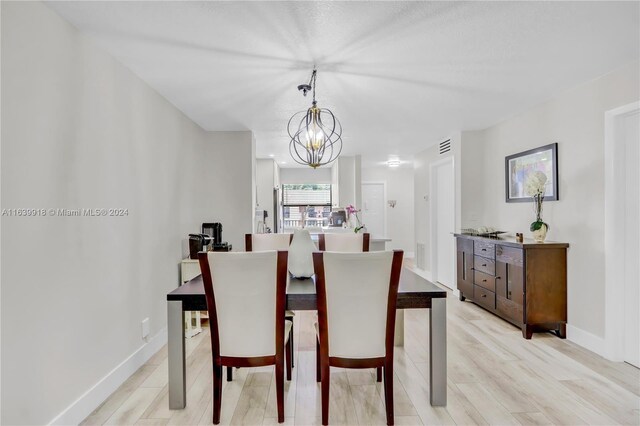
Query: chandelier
{"points": [[315, 133]]}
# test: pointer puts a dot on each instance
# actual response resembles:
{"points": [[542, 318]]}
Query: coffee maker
{"points": [[214, 230], [198, 243]]}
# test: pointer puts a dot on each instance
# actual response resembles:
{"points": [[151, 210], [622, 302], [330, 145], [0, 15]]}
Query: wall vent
{"points": [[445, 146], [420, 251]]}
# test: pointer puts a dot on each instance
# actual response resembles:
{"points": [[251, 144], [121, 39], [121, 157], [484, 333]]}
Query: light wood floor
{"points": [[495, 377]]}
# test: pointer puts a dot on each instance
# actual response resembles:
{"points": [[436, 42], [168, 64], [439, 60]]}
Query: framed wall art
{"points": [[519, 166]]}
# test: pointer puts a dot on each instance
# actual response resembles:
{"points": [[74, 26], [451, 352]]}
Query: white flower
{"points": [[535, 183]]}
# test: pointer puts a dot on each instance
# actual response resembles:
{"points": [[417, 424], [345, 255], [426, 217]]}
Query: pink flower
{"points": [[351, 210]]}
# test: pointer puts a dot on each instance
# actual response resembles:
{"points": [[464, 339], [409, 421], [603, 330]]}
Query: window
{"points": [[310, 203]]}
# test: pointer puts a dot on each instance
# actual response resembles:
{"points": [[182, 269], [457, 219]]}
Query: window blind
{"points": [[306, 195]]}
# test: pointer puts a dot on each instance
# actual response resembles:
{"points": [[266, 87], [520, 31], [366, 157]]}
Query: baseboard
{"points": [[586, 340], [91, 399]]}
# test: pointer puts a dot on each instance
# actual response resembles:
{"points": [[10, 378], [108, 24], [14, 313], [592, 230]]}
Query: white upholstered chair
{"points": [[357, 295], [265, 242], [344, 242], [246, 297], [349, 242]]}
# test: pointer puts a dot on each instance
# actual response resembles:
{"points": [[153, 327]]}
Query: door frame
{"points": [[384, 205], [432, 222], [614, 232]]}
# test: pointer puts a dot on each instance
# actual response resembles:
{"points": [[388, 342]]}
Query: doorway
{"points": [[373, 208], [442, 209], [622, 234]]}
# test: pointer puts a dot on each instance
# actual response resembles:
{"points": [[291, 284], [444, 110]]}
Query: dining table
{"points": [[414, 292]]}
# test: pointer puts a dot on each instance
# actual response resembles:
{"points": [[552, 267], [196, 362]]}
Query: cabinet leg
{"points": [[561, 332], [527, 331], [461, 297]]}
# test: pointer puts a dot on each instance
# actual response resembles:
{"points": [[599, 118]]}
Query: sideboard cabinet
{"points": [[523, 283]]}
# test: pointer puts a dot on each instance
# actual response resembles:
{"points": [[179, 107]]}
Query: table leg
{"points": [[438, 352], [399, 331], [176, 358]]}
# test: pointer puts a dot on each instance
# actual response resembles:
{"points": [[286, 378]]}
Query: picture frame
{"points": [[518, 166]]}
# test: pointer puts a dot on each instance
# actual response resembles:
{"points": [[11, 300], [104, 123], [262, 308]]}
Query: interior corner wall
{"points": [[79, 130], [399, 187], [575, 120]]}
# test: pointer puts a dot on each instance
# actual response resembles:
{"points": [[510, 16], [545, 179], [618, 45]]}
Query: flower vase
{"points": [[540, 234], [539, 228]]}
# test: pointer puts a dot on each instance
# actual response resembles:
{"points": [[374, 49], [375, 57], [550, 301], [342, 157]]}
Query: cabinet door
{"points": [[465, 266], [509, 283]]}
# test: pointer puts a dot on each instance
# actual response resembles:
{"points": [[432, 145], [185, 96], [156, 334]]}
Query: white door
{"points": [[373, 209], [630, 127], [444, 216]]}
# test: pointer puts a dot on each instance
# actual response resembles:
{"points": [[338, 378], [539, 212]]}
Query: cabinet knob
{"points": [[484, 295], [484, 264], [484, 249], [497, 278], [484, 281]]}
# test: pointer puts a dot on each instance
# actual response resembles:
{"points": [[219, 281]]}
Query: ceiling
{"points": [[400, 76]]}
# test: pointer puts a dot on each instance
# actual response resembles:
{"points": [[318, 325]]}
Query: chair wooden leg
{"points": [[318, 371], [229, 374], [388, 391], [280, 390], [379, 374], [288, 359], [217, 393], [326, 379], [293, 348]]}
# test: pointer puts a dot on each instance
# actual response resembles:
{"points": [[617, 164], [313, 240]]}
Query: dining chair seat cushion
{"points": [[301, 254]]}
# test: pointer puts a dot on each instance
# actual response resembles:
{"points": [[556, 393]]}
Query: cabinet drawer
{"points": [[484, 280], [484, 249], [482, 264], [509, 255], [484, 297], [509, 309]]}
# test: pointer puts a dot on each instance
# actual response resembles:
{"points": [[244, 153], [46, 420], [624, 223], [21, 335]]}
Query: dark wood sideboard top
{"points": [[528, 242]]}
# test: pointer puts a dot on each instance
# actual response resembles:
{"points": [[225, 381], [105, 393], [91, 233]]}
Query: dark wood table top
{"points": [[414, 292]]}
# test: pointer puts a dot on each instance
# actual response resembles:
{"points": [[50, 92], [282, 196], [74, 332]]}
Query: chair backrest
{"points": [[357, 295], [348, 242], [246, 297], [263, 242]]}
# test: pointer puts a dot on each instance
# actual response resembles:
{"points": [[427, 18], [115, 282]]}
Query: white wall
{"points": [[79, 130], [265, 182], [305, 175], [422, 191], [574, 119], [400, 219], [346, 181]]}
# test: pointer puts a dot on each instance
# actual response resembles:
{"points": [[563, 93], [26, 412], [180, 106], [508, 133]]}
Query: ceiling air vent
{"points": [[445, 146]]}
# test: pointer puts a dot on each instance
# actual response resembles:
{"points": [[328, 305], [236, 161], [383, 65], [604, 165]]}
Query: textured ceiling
{"points": [[399, 75]]}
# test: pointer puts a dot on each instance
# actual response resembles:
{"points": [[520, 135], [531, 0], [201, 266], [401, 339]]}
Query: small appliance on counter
{"points": [[198, 243], [337, 218], [214, 230]]}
